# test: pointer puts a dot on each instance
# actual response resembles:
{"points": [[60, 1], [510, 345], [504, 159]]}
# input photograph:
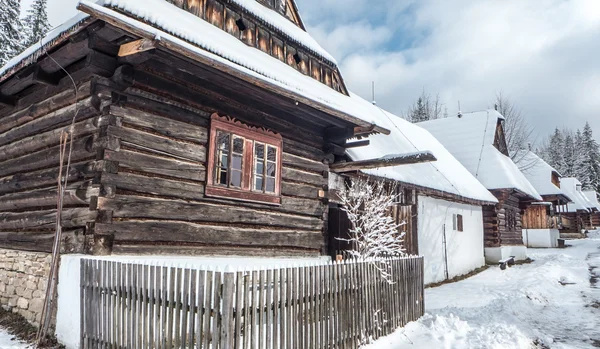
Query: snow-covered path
{"points": [[7, 342], [550, 303]]}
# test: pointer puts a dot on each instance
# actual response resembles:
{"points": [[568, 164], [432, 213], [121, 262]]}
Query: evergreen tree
{"points": [[36, 23], [568, 156], [426, 108], [579, 169], [554, 153], [591, 160], [420, 112], [10, 29]]}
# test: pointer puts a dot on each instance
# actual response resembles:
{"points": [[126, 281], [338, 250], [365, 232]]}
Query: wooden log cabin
{"points": [[478, 141], [200, 127], [592, 197], [542, 221], [440, 203], [578, 212]]}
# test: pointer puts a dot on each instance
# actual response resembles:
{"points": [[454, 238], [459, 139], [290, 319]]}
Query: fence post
{"points": [[227, 327]]}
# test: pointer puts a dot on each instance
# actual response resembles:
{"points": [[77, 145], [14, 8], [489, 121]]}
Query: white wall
{"points": [[464, 249], [541, 237]]}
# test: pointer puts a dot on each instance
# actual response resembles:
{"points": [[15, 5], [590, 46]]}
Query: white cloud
{"points": [[541, 53]]}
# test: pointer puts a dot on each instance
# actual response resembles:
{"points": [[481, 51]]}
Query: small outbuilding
{"points": [[441, 203], [542, 220], [478, 141], [592, 197], [577, 213]]}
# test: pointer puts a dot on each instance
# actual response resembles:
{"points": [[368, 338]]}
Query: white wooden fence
{"points": [[335, 305]]}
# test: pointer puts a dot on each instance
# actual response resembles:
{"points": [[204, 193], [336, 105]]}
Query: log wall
{"points": [[498, 231], [154, 202], [29, 166]]}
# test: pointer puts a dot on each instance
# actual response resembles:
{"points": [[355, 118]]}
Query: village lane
{"points": [[550, 303]]}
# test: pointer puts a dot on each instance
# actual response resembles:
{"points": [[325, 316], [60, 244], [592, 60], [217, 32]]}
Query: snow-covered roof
{"points": [[446, 174], [470, 139], [53, 37], [592, 198], [175, 27], [579, 201], [539, 173]]}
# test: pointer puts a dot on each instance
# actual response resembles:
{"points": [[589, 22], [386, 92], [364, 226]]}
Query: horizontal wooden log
{"points": [[303, 163], [173, 232], [44, 178], [77, 194], [290, 174], [44, 140], [71, 218], [161, 125], [136, 47], [388, 161], [62, 117], [152, 208], [161, 145], [82, 150], [300, 190], [153, 249], [156, 186], [157, 164], [72, 241]]}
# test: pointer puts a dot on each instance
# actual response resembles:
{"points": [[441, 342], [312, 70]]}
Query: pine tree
{"points": [[568, 156], [36, 23], [579, 170], [554, 153], [10, 29], [420, 112], [591, 160]]}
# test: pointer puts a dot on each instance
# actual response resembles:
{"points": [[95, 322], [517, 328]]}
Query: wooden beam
{"points": [[99, 44], [138, 46], [335, 149], [8, 101], [387, 161], [42, 77], [357, 144]]}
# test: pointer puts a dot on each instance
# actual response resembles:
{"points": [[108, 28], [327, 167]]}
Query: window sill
{"points": [[241, 195]]}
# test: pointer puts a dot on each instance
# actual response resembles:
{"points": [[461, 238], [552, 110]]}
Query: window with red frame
{"points": [[244, 162]]}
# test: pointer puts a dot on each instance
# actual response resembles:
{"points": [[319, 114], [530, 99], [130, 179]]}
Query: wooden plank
{"points": [[161, 231], [71, 218], [227, 326], [277, 319], [269, 309], [82, 150], [302, 163], [185, 308], [161, 125], [201, 302], [43, 178], [289, 312], [208, 310], [193, 308], [159, 144], [239, 310], [153, 185], [247, 310], [135, 47], [217, 301], [261, 309], [157, 164], [142, 207], [254, 311], [294, 175]]}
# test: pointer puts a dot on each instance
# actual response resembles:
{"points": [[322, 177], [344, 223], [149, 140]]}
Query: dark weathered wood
{"points": [[71, 218], [153, 185], [44, 178], [389, 161], [157, 164], [167, 232], [293, 175], [136, 47], [82, 150], [42, 241], [77, 194], [303, 163], [161, 145], [56, 119], [141, 207]]}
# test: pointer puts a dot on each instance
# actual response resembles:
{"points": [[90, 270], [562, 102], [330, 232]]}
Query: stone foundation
{"points": [[23, 281]]}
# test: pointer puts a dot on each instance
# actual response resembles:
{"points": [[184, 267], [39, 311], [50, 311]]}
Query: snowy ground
{"points": [[551, 303], [7, 342]]}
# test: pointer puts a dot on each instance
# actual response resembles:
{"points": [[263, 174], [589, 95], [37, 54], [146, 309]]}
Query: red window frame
{"points": [[250, 136]]}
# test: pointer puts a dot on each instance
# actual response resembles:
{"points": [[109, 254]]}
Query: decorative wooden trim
{"points": [[250, 134]]}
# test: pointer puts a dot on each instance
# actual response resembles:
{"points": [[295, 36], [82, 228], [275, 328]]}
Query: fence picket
{"points": [[332, 306]]}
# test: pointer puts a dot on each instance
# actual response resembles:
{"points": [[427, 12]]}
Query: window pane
{"points": [[258, 183], [236, 162], [270, 185], [222, 177], [223, 161], [259, 169], [222, 140], [259, 151], [236, 178], [271, 167], [238, 145], [272, 154]]}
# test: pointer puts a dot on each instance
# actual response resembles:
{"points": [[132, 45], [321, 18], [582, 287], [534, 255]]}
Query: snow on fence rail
{"points": [[334, 305]]}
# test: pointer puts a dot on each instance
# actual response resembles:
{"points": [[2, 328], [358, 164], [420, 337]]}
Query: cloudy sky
{"points": [[542, 54]]}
